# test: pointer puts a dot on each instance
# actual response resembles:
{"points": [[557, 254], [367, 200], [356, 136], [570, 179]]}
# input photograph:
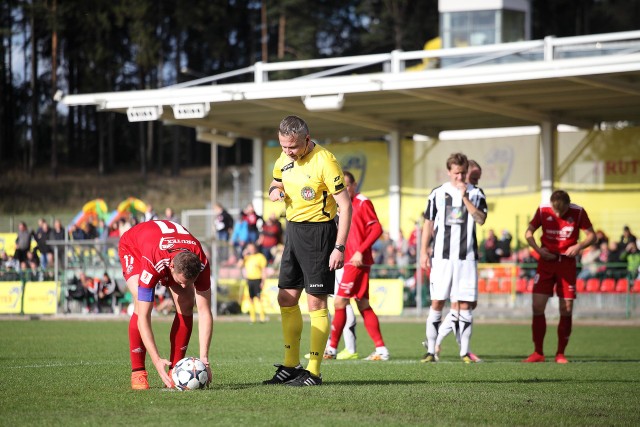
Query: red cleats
{"points": [[561, 359], [139, 380], [534, 358]]}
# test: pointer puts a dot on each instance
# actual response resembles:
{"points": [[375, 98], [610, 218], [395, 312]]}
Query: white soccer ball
{"points": [[190, 374]]}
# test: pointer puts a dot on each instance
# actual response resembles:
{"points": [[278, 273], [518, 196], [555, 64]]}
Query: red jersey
{"points": [[148, 248], [559, 233], [365, 229]]}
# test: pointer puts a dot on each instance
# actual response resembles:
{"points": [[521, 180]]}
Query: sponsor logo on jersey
{"points": [[315, 285], [563, 233], [167, 243], [287, 167], [145, 277], [308, 193], [129, 268], [549, 218]]}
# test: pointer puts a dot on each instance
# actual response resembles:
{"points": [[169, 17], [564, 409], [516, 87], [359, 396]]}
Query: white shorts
{"points": [[455, 279]]}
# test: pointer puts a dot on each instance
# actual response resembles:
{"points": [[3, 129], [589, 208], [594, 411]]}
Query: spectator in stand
{"points": [[58, 234], [615, 263], [170, 216], [239, 238], [224, 225], [42, 234], [528, 261], [490, 246], [504, 245], [561, 222], [601, 237], [23, 242], [123, 226], [270, 236], [150, 214], [106, 290], [251, 217], [114, 231], [632, 257], [102, 230], [590, 260], [91, 287], [76, 233], [90, 230], [32, 272], [627, 236], [255, 271]]}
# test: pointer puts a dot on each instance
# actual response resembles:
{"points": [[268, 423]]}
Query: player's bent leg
{"points": [[446, 327]]}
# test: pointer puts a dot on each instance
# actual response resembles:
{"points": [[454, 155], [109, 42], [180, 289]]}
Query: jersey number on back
{"points": [[168, 230]]}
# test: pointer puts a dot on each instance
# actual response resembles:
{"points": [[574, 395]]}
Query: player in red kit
{"points": [[165, 252], [365, 230], [561, 222]]}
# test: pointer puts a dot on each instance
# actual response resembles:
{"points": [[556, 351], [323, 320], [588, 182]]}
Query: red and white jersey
{"points": [[560, 233], [148, 248], [365, 229]]}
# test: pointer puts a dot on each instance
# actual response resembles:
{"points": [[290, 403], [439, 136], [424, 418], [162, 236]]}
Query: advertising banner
{"points": [[10, 297], [41, 297]]}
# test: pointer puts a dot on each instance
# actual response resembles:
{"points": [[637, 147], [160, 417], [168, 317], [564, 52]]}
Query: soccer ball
{"points": [[190, 374]]}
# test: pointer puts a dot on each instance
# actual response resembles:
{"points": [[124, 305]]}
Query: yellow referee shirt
{"points": [[309, 185]]}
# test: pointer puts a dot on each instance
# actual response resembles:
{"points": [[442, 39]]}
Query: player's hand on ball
{"points": [[161, 365]]}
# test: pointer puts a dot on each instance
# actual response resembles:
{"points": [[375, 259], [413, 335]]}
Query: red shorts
{"points": [[354, 283], [560, 274], [130, 265]]}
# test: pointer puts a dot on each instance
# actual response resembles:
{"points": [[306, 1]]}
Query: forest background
{"points": [[54, 158]]}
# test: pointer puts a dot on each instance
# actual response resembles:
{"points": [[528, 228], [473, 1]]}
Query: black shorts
{"points": [[254, 287], [305, 260]]}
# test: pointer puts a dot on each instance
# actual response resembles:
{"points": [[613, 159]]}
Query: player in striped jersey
{"points": [[453, 210], [451, 322], [165, 252]]}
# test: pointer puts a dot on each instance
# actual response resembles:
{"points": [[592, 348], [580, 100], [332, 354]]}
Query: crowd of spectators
{"points": [[608, 258], [393, 259]]}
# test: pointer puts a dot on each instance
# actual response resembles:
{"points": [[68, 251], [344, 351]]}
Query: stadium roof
{"points": [[580, 81]]}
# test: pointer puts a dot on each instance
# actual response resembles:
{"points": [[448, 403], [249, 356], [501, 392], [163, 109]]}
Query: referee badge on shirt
{"points": [[454, 215], [308, 193]]}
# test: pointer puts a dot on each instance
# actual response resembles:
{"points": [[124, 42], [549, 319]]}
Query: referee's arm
{"points": [[343, 200]]}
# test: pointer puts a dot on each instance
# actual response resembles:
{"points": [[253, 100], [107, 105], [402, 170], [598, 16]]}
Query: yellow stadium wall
{"points": [[599, 169]]}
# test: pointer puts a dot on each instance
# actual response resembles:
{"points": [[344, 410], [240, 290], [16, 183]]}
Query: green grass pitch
{"points": [[77, 373]]}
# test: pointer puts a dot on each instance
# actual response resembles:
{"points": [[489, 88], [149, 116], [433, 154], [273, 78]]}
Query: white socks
{"points": [[433, 324]]}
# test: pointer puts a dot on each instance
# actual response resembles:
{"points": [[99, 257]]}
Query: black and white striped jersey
{"points": [[454, 227]]}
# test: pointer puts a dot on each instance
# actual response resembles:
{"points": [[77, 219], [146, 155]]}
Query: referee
{"points": [[311, 182]]}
